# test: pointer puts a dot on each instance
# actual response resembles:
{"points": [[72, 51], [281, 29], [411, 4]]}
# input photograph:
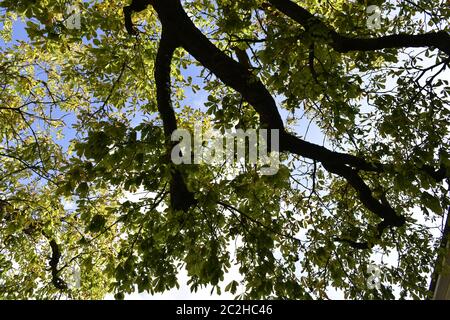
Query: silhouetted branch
{"points": [[344, 43], [180, 197]]}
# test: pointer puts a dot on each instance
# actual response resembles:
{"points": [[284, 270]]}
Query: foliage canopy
{"points": [[85, 115]]}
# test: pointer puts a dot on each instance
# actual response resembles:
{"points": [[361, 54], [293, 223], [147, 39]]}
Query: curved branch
{"points": [[180, 197], [381, 208], [344, 43], [135, 6], [56, 254], [59, 283], [166, 49]]}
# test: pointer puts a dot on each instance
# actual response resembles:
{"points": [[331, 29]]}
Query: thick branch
{"points": [[135, 6], [56, 255], [344, 43], [53, 263], [381, 208], [180, 197], [163, 63], [440, 40]]}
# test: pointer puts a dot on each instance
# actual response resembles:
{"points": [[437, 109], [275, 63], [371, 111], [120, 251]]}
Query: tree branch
{"points": [[344, 43], [53, 263], [180, 197]]}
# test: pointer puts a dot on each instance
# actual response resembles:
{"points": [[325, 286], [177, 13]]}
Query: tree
{"points": [[87, 115]]}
